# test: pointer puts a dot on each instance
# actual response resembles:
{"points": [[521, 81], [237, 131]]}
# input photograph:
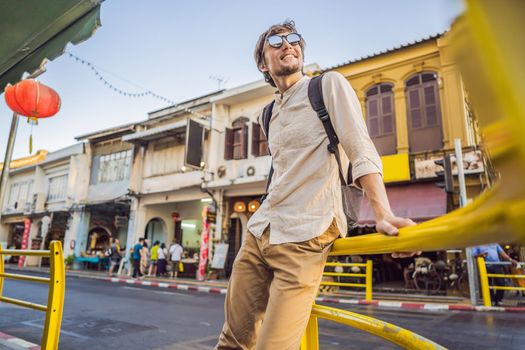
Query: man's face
{"points": [[282, 61]]}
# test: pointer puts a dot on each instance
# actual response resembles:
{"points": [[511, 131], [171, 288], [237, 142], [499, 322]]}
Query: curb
{"points": [[420, 306], [10, 342], [178, 286], [378, 303]]}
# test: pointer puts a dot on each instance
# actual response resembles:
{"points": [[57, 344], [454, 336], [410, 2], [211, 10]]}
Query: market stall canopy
{"points": [[32, 31]]}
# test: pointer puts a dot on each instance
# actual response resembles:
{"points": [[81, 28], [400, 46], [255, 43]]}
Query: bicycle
{"points": [[454, 275], [425, 276]]}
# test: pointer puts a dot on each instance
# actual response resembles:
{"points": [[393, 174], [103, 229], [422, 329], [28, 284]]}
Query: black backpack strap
{"points": [[315, 94], [266, 116]]}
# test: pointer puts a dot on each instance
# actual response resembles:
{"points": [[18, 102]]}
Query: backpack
{"points": [[351, 195]]}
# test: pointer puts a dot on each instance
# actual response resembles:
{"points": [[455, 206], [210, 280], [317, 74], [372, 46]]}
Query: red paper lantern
{"points": [[32, 99]]}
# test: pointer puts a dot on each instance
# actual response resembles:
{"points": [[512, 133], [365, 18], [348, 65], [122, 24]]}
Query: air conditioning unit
{"points": [[250, 170]]}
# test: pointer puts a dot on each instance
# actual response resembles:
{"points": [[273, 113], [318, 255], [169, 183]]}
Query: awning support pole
{"points": [[8, 156]]}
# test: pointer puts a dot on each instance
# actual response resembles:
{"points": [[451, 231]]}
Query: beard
{"points": [[288, 70]]}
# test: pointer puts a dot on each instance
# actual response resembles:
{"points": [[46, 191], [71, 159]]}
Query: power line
{"points": [[146, 92]]}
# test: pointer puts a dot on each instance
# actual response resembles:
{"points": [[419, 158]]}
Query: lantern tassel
{"points": [[31, 143]]}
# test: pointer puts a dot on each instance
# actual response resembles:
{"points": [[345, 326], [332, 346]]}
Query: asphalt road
{"points": [[102, 315]]}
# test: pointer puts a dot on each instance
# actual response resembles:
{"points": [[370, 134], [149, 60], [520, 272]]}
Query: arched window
{"points": [[156, 231], [380, 118], [424, 115], [236, 145]]}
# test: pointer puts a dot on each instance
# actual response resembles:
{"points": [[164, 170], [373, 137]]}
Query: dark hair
{"points": [[156, 242], [141, 239], [145, 243], [162, 245], [287, 26]]}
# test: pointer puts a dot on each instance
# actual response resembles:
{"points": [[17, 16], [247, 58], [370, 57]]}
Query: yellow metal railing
{"points": [[367, 276], [484, 281], [57, 286], [385, 330]]}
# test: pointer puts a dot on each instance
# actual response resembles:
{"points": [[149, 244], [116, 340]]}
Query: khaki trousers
{"points": [[271, 291]]}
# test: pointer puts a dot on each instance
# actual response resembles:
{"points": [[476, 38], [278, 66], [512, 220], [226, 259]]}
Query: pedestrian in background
{"points": [[144, 257], [492, 253], [114, 255], [175, 258], [153, 262], [517, 270], [162, 254], [137, 248]]}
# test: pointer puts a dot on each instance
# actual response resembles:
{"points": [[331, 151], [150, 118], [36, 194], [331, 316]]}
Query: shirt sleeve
{"points": [[475, 251], [499, 249], [347, 119]]}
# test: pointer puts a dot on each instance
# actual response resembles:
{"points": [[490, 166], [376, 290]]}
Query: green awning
{"points": [[32, 31]]}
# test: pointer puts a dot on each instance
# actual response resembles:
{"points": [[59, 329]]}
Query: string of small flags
{"points": [[126, 93]]}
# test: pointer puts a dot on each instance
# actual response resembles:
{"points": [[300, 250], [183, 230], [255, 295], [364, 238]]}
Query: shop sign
{"points": [[211, 217], [426, 168], [219, 256], [120, 221], [25, 241]]}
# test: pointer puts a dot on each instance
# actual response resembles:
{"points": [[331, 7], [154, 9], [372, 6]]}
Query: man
{"points": [[136, 258], [175, 258], [277, 272], [492, 253], [114, 255]]}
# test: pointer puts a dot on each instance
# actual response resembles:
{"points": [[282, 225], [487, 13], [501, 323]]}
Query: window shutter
{"points": [[256, 130], [388, 120], [372, 118], [263, 144], [228, 144], [244, 141], [415, 109]]}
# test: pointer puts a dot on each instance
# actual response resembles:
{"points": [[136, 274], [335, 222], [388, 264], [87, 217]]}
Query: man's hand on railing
{"points": [[390, 225]]}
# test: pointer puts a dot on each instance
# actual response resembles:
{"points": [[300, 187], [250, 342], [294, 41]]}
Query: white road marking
{"points": [[156, 291]]}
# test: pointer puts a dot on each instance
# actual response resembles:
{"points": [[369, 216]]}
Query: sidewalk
{"points": [[9, 342], [381, 299]]}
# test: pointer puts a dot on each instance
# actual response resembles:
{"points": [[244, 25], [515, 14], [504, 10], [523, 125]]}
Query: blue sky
{"points": [[173, 47]]}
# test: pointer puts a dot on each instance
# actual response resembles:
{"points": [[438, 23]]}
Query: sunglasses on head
{"points": [[278, 41]]}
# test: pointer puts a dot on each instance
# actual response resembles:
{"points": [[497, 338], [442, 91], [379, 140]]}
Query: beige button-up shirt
{"points": [[305, 192]]}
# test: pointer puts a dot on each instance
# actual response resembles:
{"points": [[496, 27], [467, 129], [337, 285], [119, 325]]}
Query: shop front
{"points": [[239, 209], [171, 221], [419, 202], [106, 221]]}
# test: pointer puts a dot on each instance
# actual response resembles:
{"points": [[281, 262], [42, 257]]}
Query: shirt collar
{"points": [[279, 99]]}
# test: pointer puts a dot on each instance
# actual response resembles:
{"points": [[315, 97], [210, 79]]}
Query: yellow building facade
{"points": [[396, 66], [415, 106]]}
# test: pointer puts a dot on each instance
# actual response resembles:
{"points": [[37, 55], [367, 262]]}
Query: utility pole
{"points": [[471, 267]]}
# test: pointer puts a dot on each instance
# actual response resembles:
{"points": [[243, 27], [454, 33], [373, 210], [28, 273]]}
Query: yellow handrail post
{"points": [[55, 300], [310, 339], [394, 334], [368, 281], [484, 280]]}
